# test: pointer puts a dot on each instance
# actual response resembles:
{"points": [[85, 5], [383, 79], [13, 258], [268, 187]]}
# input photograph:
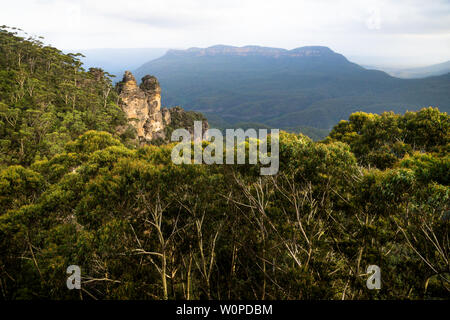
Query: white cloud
{"points": [[362, 27], [373, 22]]}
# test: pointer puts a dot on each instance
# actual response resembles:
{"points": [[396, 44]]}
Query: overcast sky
{"points": [[409, 32]]}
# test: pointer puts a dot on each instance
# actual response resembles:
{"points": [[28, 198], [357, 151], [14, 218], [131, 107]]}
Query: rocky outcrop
{"points": [[181, 118], [142, 105]]}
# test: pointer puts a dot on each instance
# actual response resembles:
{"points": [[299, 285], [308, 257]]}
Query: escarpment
{"points": [[142, 106]]}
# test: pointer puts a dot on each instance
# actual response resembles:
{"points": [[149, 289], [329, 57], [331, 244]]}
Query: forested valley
{"points": [[75, 190]]}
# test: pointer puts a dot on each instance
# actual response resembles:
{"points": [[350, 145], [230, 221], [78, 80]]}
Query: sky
{"points": [[390, 32]]}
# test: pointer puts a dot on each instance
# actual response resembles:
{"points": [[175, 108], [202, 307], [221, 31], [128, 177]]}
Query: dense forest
{"points": [[47, 99], [73, 191]]}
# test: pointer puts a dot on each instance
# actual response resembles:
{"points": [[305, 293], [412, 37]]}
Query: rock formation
{"points": [[142, 105]]}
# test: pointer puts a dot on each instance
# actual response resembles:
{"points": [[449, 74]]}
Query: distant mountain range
{"points": [[415, 73], [304, 87], [221, 50]]}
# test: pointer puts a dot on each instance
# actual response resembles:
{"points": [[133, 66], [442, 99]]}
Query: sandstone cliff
{"points": [[142, 106]]}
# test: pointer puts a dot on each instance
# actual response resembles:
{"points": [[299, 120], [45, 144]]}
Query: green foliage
{"points": [[180, 118], [381, 140], [18, 186], [429, 168], [47, 99], [92, 141], [141, 227]]}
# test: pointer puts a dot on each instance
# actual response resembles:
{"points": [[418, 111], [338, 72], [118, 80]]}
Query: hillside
{"points": [[416, 73], [74, 191], [307, 86], [48, 98]]}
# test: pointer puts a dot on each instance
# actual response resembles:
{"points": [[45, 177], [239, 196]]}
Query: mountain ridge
{"points": [[253, 50], [307, 86], [437, 69]]}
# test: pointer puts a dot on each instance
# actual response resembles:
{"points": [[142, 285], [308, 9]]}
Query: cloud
{"points": [[349, 26], [373, 22], [170, 14]]}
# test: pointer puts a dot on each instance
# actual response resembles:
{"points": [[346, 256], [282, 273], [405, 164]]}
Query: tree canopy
{"points": [[74, 192]]}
